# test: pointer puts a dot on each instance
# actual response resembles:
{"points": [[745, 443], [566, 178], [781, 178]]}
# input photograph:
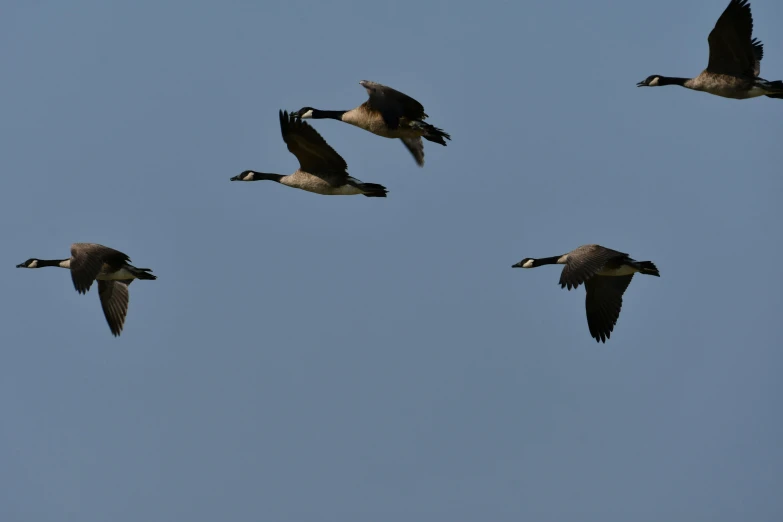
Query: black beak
{"points": [[236, 178], [641, 84], [20, 265], [518, 265]]}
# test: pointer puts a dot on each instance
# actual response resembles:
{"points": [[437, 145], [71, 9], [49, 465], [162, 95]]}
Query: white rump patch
{"points": [[622, 271], [756, 91], [122, 274]]}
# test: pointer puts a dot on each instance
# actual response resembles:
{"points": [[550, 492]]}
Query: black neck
{"points": [[546, 261], [334, 115], [264, 175], [50, 262], [665, 80]]}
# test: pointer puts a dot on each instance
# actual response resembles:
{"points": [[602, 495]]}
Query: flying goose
{"points": [[735, 60], [321, 169], [388, 113], [112, 269], [606, 274]]}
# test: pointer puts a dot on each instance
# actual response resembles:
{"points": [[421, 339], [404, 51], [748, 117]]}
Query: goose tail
{"points": [[774, 89], [432, 133], [649, 268], [373, 190], [143, 273]]}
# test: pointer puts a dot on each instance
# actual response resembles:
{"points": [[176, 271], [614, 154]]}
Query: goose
{"points": [[388, 113], [321, 169], [111, 268], [606, 274], [735, 61]]}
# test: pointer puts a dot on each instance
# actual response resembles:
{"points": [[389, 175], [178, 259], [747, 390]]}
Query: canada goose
{"points": [[321, 169], [388, 113], [606, 274], [90, 261], [735, 60]]}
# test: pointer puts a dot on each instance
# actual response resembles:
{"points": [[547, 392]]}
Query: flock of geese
{"points": [[732, 72]]}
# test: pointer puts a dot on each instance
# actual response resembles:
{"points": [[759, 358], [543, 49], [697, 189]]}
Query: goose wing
{"points": [[315, 156], [583, 263], [87, 260], [114, 301], [731, 49], [603, 303], [392, 104], [758, 54], [415, 147]]}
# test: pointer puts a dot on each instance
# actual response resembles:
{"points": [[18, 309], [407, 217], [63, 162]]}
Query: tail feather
{"points": [[775, 88], [144, 273], [432, 133], [649, 268], [373, 190]]}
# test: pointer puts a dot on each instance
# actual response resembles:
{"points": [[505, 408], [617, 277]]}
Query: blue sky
{"points": [[304, 357]]}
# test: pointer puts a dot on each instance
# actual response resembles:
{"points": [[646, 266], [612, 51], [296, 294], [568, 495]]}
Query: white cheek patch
{"points": [[528, 264], [654, 83], [34, 264], [308, 114]]}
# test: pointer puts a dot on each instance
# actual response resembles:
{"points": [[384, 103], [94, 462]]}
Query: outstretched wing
{"points": [[114, 301], [603, 303], [314, 154], [731, 49], [415, 147]]}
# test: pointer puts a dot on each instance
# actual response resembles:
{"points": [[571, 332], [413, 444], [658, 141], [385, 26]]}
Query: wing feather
{"points": [[315, 156], [415, 147], [603, 303], [114, 301], [732, 50]]}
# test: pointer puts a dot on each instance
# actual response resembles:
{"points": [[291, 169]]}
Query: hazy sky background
{"points": [[304, 357]]}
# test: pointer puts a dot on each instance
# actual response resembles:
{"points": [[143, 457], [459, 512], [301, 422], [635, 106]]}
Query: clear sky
{"points": [[304, 357]]}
